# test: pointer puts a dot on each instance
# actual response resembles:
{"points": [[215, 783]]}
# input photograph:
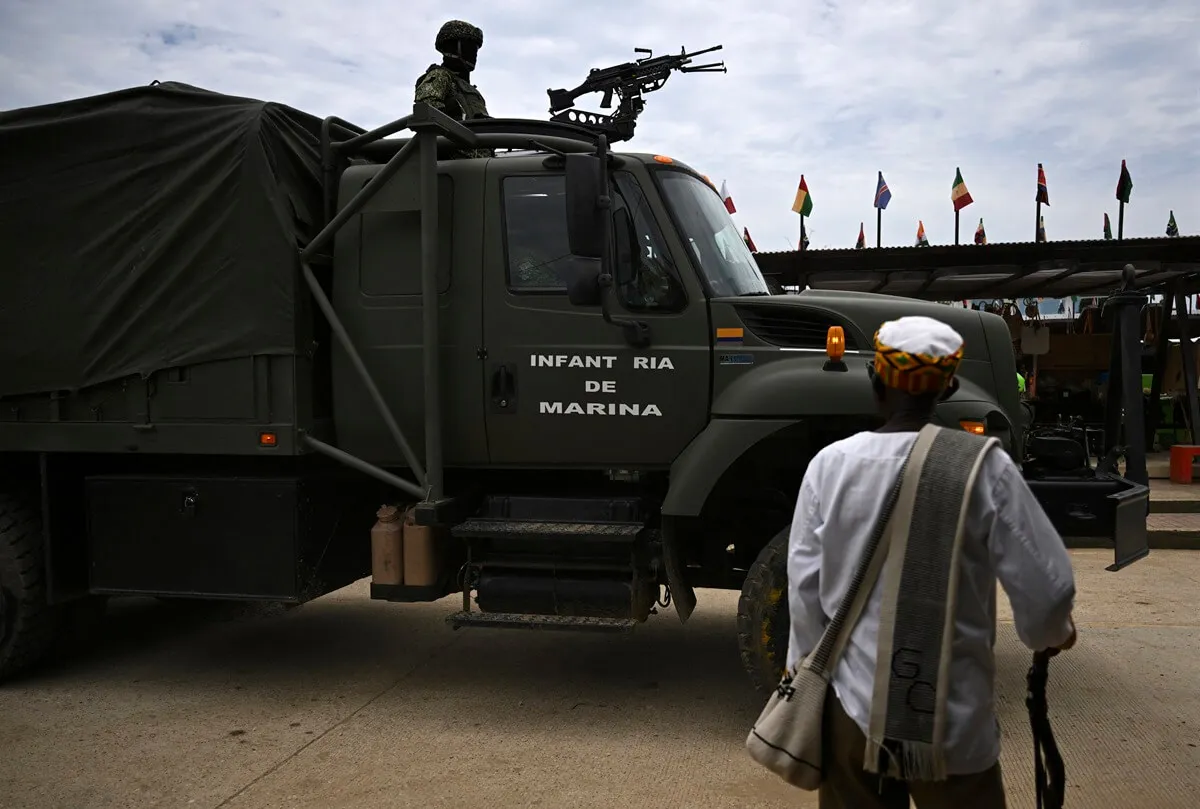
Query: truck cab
{"points": [[613, 357]]}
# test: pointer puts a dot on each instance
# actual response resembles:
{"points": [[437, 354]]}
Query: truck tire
{"points": [[28, 625], [763, 620]]}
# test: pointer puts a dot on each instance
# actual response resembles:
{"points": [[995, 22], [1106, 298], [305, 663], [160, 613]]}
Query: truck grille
{"points": [[792, 328]]}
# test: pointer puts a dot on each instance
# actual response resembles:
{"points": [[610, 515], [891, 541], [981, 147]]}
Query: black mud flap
{"points": [[1107, 509], [682, 593]]}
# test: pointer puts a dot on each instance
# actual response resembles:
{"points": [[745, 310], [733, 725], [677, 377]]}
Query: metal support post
{"points": [[1125, 385], [431, 333], [1187, 353], [1162, 346]]}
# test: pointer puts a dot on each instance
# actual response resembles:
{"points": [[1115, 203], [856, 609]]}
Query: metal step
{"points": [[562, 509], [484, 528], [508, 620]]}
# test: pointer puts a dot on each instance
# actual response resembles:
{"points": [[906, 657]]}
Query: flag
{"points": [[1172, 228], [1043, 194], [882, 195], [803, 240], [729, 206], [803, 202], [749, 242], [862, 237], [980, 235], [1107, 226], [1125, 184], [959, 195], [921, 240], [1041, 229]]}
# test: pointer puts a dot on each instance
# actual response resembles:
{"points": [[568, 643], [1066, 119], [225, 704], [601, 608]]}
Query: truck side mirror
{"points": [[585, 288], [585, 214]]}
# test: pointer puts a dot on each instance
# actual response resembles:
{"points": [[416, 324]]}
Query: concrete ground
{"points": [[345, 702]]}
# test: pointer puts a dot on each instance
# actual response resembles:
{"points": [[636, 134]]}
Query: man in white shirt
{"points": [[1007, 537]]}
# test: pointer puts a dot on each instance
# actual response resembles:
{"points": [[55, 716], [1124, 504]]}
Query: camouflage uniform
{"points": [[449, 91]]}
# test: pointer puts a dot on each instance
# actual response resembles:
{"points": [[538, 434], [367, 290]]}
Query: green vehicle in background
{"points": [[238, 324]]}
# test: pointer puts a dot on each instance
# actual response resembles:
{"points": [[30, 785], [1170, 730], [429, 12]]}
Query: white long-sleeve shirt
{"points": [[1008, 537]]}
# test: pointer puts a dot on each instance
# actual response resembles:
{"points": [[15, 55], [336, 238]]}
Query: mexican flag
{"points": [[959, 195], [921, 240]]}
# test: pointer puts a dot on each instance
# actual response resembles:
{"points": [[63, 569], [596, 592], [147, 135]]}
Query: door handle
{"points": [[504, 388]]}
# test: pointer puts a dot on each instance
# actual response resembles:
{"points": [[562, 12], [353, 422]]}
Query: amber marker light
{"points": [[662, 158], [835, 343], [267, 439], [976, 427]]}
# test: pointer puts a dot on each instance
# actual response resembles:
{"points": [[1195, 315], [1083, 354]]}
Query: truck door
{"points": [[562, 387]]}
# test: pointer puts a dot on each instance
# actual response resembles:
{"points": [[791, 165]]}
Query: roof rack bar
{"points": [[358, 141], [532, 128], [382, 150]]}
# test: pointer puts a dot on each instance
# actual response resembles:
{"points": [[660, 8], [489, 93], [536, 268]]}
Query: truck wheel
{"points": [[28, 625], [763, 620]]}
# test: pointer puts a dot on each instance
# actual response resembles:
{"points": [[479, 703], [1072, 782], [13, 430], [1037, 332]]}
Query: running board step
{"points": [[485, 528], [509, 620]]}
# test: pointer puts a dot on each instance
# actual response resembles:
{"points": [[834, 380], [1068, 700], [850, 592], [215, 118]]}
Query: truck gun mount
{"points": [[629, 81]]}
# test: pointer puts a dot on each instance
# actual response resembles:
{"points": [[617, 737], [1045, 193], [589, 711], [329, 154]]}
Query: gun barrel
{"points": [[706, 50]]}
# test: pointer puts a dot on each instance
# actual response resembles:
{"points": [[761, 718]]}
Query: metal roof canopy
{"points": [[1010, 270]]}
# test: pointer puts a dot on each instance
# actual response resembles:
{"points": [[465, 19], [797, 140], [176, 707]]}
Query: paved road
{"points": [[346, 702]]}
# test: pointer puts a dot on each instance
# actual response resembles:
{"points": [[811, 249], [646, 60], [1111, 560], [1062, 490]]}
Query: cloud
{"points": [[832, 89]]}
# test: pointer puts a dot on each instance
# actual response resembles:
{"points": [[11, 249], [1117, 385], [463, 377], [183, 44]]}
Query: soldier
{"points": [[447, 87]]}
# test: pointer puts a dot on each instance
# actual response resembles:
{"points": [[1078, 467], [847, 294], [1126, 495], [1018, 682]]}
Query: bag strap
{"points": [[897, 510]]}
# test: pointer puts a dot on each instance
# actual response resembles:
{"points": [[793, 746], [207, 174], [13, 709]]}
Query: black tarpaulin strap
{"points": [[1050, 779]]}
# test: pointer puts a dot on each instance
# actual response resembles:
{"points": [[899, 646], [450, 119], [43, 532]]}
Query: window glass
{"points": [[648, 278], [539, 258], [535, 219], [705, 224]]}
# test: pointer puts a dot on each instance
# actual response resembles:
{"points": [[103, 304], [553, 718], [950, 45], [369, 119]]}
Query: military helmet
{"points": [[456, 30]]}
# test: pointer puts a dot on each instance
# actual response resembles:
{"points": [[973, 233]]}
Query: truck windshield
{"points": [[722, 256]]}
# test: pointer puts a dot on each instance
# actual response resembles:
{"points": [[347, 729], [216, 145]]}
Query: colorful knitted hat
{"points": [[917, 355]]}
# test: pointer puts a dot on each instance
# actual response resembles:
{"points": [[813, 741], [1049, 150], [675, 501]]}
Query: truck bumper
{"points": [[1106, 508]]}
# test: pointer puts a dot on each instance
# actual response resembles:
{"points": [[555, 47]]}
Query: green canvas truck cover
{"points": [[149, 228]]}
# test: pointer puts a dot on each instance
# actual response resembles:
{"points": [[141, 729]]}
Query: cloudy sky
{"points": [[833, 89]]}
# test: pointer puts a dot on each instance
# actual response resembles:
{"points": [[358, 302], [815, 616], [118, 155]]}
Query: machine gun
{"points": [[629, 81]]}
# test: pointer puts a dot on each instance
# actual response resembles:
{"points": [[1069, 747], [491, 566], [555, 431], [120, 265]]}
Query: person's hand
{"points": [[1068, 643]]}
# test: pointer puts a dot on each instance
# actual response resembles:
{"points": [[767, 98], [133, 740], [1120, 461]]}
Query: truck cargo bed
{"points": [[151, 298]]}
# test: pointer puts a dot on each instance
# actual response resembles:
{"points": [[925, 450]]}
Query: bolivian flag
{"points": [[959, 194], [803, 202], [921, 240]]}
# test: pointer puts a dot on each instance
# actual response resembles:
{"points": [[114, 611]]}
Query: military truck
{"points": [[228, 327]]}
